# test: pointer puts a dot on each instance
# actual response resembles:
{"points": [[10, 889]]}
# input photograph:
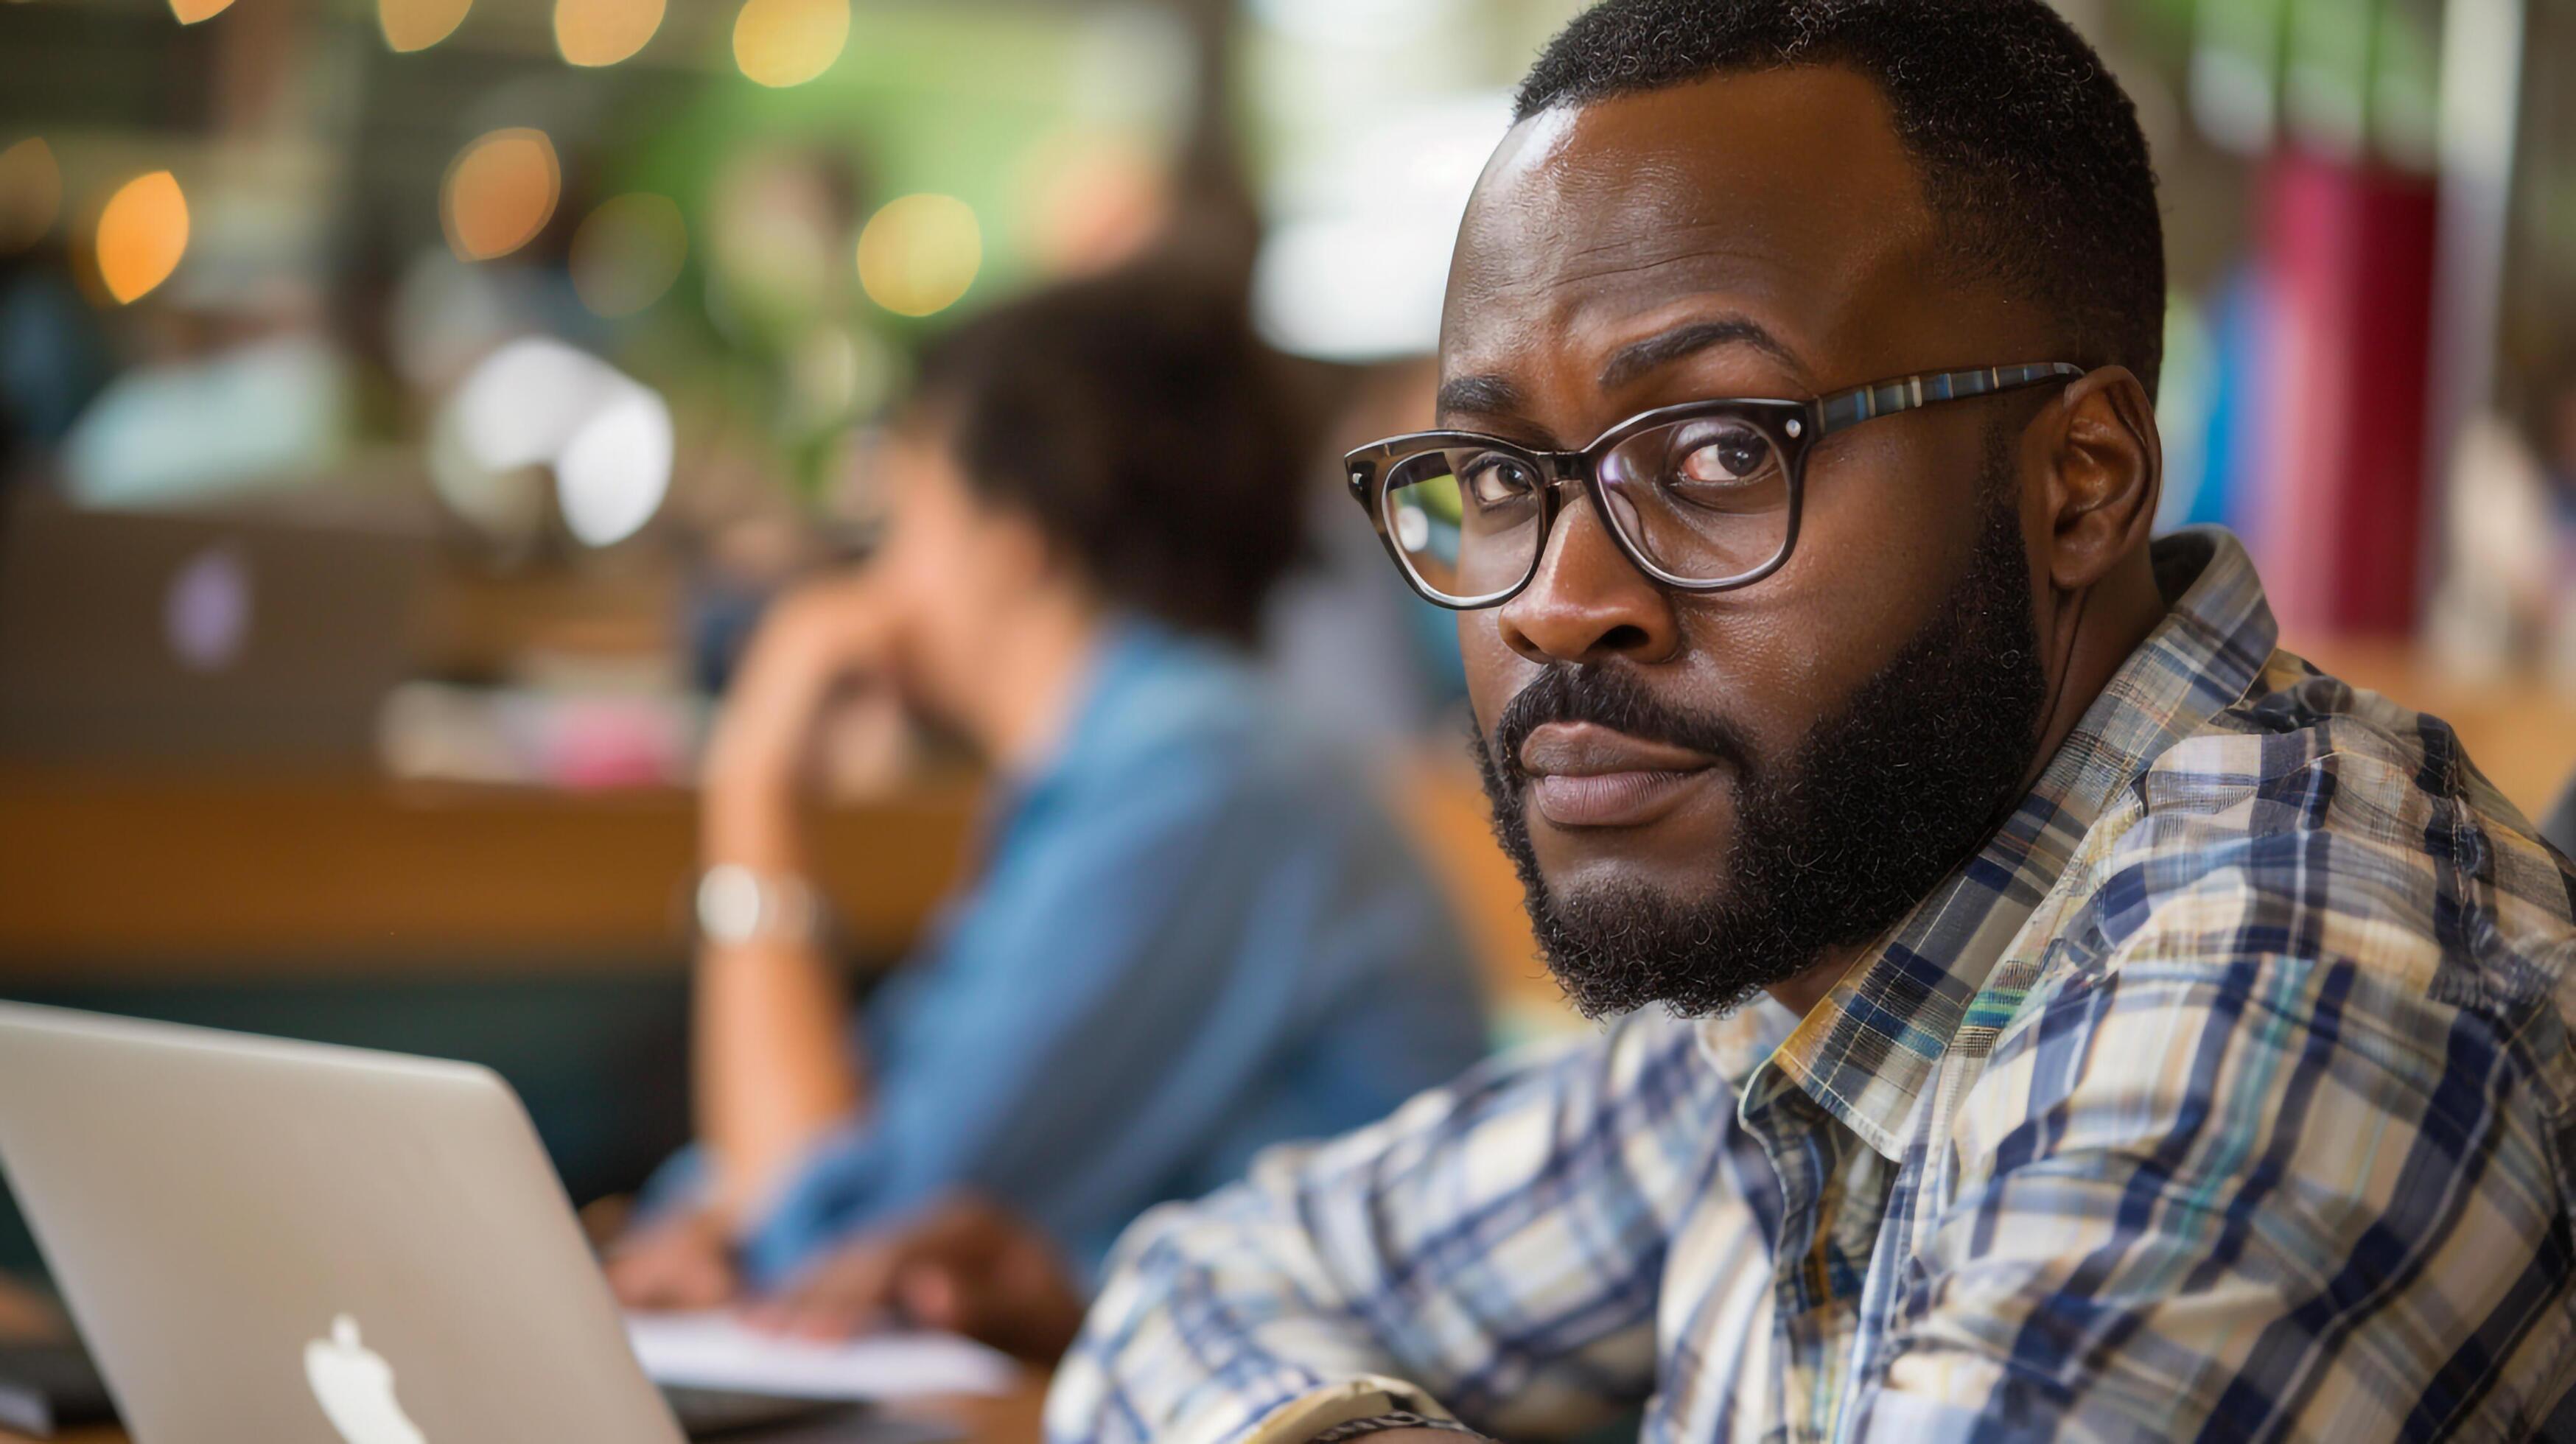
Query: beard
{"points": [[1833, 843]]}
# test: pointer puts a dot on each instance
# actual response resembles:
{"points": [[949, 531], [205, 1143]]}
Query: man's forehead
{"points": [[1784, 190]]}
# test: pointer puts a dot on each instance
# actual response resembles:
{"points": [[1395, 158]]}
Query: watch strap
{"points": [[1388, 1423]]}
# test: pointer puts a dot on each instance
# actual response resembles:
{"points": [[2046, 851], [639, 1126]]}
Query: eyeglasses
{"points": [[1702, 497]]}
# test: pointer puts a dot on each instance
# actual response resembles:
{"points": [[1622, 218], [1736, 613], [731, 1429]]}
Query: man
{"points": [[2059, 1014], [1091, 495]]}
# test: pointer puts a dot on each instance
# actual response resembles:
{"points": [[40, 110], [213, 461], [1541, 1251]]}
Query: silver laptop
{"points": [[293, 1242]]}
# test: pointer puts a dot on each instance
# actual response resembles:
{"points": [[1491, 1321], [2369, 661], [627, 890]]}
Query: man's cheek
{"points": [[1494, 671]]}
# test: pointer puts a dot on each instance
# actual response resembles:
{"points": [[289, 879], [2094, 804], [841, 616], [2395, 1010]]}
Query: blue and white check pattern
{"points": [[2225, 1094]]}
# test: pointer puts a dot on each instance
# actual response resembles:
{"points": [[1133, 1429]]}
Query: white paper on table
{"points": [[715, 1350]]}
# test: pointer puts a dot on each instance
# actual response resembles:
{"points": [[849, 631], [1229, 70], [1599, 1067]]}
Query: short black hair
{"points": [[2030, 151], [1138, 421]]}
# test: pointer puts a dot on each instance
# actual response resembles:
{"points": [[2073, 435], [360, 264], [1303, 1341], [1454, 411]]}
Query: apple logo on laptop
{"points": [[355, 1387]]}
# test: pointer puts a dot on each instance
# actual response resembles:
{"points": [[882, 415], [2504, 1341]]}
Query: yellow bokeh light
{"points": [[628, 252], [142, 234], [419, 24], [192, 11], [500, 192], [604, 32], [31, 194], [789, 42], [920, 253]]}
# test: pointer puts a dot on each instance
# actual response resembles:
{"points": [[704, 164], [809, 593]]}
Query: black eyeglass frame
{"points": [[1795, 426]]}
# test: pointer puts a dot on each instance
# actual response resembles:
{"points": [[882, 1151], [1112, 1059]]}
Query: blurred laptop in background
{"points": [[199, 637]]}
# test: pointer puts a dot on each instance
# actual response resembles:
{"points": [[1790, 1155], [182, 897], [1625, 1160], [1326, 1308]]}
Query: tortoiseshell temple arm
{"points": [[1886, 398]]}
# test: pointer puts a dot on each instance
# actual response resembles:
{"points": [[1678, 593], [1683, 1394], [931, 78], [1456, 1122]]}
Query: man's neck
{"points": [[2107, 625]]}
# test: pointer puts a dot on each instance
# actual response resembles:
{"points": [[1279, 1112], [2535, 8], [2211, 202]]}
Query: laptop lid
{"points": [[296, 1242], [200, 638]]}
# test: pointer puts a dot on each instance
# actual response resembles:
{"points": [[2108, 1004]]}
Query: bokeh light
{"points": [[614, 471], [31, 194], [538, 403], [500, 192], [789, 42], [920, 253], [778, 237], [1094, 201], [604, 32], [142, 234], [192, 11], [834, 373], [419, 24], [628, 252]]}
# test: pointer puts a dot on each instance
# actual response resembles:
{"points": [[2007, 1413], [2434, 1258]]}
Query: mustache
{"points": [[1608, 697]]}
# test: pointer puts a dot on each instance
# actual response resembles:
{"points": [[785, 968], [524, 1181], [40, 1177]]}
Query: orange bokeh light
{"points": [[141, 235], [1094, 201], [419, 24], [604, 32], [500, 192]]}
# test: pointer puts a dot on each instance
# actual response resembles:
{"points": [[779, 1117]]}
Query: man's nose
{"points": [[1588, 602]]}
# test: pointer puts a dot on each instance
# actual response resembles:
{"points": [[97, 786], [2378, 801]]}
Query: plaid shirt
{"points": [[2225, 1093]]}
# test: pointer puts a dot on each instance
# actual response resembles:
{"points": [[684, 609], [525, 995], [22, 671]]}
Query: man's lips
{"points": [[1582, 774]]}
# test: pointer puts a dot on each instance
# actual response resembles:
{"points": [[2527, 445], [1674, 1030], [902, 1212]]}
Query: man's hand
{"points": [[680, 1261], [962, 1265]]}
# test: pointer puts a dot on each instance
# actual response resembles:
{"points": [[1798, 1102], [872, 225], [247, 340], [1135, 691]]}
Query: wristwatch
{"points": [[737, 905]]}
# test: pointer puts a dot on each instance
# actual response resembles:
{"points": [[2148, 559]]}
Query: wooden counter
{"points": [[290, 873]]}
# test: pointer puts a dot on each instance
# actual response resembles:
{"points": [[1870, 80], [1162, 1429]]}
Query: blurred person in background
{"points": [[1189, 932]]}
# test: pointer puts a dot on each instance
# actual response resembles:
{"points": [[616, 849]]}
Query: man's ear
{"points": [[2105, 472]]}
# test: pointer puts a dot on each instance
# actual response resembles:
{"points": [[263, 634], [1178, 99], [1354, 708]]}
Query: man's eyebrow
{"points": [[1480, 396], [1634, 360]]}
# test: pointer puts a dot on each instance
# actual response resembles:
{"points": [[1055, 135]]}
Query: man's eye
{"points": [[1732, 457], [1498, 480]]}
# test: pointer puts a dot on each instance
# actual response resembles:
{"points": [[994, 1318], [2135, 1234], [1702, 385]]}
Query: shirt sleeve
{"points": [[2267, 1197], [1494, 1247]]}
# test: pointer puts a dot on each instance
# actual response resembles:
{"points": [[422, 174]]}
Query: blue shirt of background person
{"points": [[1193, 937], [1189, 932]]}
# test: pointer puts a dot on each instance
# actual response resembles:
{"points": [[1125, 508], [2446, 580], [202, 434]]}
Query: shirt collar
{"points": [[1119, 650], [1865, 1052], [1143, 682]]}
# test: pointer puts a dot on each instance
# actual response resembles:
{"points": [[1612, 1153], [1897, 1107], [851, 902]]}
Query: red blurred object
{"points": [[2348, 248]]}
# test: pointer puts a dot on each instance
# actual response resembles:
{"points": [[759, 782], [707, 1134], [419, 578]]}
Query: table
{"points": [[1010, 1419]]}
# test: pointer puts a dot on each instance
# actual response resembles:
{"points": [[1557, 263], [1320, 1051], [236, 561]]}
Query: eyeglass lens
{"points": [[1703, 500]]}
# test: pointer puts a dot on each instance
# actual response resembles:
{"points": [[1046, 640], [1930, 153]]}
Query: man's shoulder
{"points": [[2316, 822], [2317, 878]]}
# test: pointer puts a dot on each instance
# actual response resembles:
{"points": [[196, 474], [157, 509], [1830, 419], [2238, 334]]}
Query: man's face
{"points": [[1706, 794]]}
